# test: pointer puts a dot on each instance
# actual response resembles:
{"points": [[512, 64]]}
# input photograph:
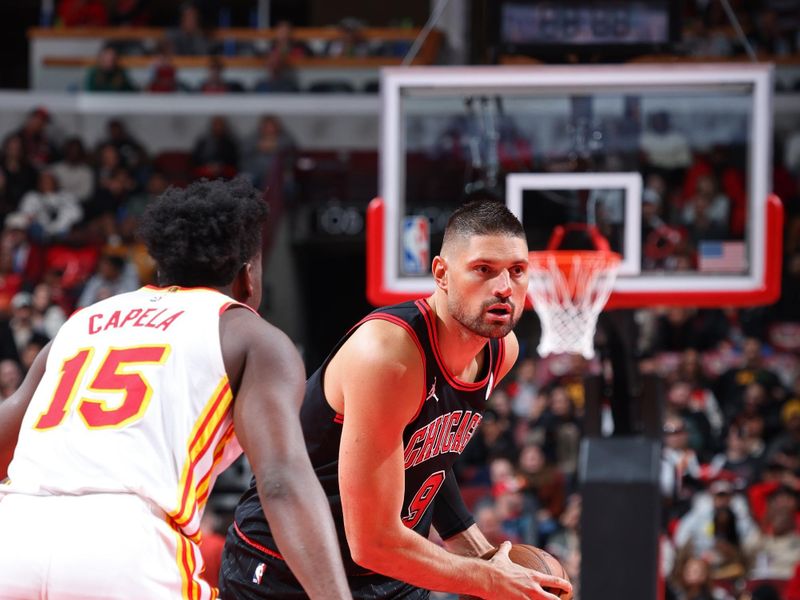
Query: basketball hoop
{"points": [[568, 290]]}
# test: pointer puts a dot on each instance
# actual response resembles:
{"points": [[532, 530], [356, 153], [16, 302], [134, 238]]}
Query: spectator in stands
{"points": [[10, 282], [523, 388], [488, 521], [690, 370], [48, 317], [665, 148], [82, 13], [494, 439], [702, 228], [105, 210], [18, 174], [52, 212], [787, 441], [736, 459], [752, 428], [692, 581], [725, 165], [571, 378], [115, 275], [701, 439], [707, 197], [776, 36], [107, 74], [189, 39], [271, 151], [131, 214], [652, 230], [695, 532], [132, 154], [775, 550], [26, 259], [31, 351], [699, 41], [281, 76], [561, 431], [63, 285], [501, 404], [732, 384], [163, 73], [156, 185], [757, 404], [726, 557], [73, 172], [516, 513], [10, 377], [216, 152], [17, 331], [678, 463], [215, 82], [107, 160], [350, 41], [284, 44], [565, 544], [543, 484], [37, 144]]}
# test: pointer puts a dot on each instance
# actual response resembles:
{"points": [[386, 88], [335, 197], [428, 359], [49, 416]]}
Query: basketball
{"points": [[534, 558]]}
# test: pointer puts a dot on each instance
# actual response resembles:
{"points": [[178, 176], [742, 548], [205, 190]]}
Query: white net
{"points": [[568, 290]]}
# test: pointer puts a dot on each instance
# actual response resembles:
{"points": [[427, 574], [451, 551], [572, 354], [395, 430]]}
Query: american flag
{"points": [[721, 257]]}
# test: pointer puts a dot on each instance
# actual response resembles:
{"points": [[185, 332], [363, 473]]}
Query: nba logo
{"points": [[259, 573], [416, 246]]}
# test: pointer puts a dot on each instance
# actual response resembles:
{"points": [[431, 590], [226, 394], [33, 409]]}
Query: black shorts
{"points": [[248, 573]]}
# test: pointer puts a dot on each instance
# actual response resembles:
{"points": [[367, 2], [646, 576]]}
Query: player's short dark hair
{"points": [[482, 217], [203, 234]]}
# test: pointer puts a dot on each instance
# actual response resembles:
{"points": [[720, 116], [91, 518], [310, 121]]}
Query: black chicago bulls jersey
{"points": [[449, 414]]}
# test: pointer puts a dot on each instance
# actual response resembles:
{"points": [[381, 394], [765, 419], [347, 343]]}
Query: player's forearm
{"points": [[301, 522], [9, 434], [405, 555]]}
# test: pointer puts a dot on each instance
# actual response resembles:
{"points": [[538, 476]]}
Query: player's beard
{"points": [[479, 324]]}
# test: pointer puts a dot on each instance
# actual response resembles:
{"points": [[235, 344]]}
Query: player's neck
{"points": [[461, 350]]}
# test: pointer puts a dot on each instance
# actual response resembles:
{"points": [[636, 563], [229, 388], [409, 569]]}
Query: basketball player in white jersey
{"points": [[124, 421]]}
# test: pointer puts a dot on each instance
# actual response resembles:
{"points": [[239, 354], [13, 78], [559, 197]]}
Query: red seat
{"points": [[175, 165], [75, 264], [778, 584]]}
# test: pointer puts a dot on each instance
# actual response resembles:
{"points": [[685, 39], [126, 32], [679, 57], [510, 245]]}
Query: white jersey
{"points": [[134, 399]]}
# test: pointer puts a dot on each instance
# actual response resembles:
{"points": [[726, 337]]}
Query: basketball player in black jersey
{"points": [[385, 418]]}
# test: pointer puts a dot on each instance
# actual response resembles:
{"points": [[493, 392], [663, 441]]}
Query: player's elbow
{"points": [[277, 485], [370, 549], [365, 554]]}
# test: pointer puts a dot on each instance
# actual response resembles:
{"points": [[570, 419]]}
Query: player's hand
{"points": [[514, 582]]}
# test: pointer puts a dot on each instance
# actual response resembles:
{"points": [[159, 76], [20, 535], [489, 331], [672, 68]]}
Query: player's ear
{"points": [[439, 271], [244, 283]]}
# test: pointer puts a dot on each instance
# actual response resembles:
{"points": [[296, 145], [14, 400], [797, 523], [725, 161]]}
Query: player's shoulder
{"points": [[379, 342], [243, 323], [248, 339]]}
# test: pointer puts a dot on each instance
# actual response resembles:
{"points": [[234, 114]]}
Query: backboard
{"points": [[671, 162]]}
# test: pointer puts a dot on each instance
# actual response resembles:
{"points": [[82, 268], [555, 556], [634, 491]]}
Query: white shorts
{"points": [[93, 547]]}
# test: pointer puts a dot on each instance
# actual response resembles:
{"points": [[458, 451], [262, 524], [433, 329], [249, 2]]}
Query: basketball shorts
{"points": [[252, 573], [94, 547]]}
